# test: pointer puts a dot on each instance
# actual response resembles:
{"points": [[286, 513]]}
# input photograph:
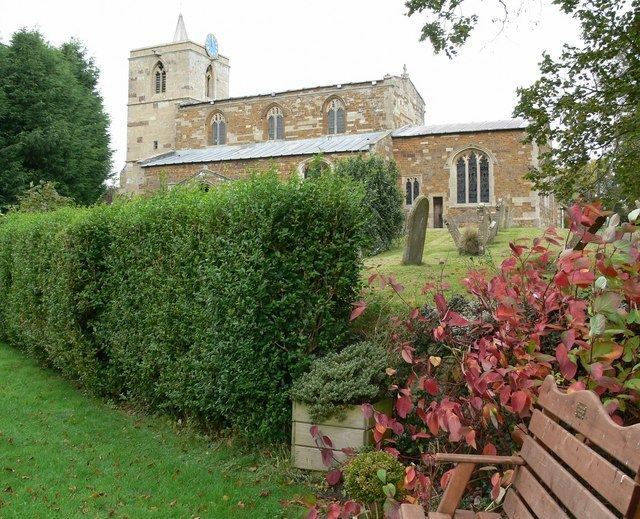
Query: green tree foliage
{"points": [[41, 198], [382, 196], [53, 126], [586, 102], [206, 304]]}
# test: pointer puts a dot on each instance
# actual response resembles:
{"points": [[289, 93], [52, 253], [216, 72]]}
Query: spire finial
{"points": [[404, 71], [181, 30]]}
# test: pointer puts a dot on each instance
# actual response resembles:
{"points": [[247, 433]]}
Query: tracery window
{"points": [[472, 179], [336, 117], [160, 79], [218, 129], [275, 123], [412, 190]]}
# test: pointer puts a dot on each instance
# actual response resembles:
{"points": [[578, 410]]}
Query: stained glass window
{"points": [[275, 123], [218, 129], [416, 189], [336, 122], [473, 178], [461, 179], [484, 179], [408, 196]]}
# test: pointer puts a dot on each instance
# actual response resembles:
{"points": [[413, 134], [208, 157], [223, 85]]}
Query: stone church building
{"points": [[183, 124]]}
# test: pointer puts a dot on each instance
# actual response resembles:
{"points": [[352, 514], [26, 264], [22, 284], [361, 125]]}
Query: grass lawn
{"points": [[440, 254], [64, 454]]}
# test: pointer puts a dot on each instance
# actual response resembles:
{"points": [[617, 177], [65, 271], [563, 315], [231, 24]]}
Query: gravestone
{"points": [[454, 231], [493, 231], [484, 224], [416, 232], [501, 216]]}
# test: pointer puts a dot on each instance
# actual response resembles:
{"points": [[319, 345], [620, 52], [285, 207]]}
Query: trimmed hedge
{"points": [[200, 304]]}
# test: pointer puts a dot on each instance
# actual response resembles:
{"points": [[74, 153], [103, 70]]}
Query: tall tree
{"points": [[586, 103], [53, 126]]}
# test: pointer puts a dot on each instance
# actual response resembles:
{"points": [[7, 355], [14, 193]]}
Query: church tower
{"points": [[162, 77]]}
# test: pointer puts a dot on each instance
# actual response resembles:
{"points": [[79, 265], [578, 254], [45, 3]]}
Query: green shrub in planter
{"points": [[373, 476], [353, 376]]}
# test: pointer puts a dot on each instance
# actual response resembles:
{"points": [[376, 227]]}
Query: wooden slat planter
{"points": [[353, 431]]}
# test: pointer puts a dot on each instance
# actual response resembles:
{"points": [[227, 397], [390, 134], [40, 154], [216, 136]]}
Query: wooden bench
{"points": [[575, 462]]}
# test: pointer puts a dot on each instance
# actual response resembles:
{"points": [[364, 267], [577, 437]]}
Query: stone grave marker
{"points": [[416, 232]]}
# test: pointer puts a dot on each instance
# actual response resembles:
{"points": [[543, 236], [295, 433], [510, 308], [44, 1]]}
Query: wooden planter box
{"points": [[353, 431]]}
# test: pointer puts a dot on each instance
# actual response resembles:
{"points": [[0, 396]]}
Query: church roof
{"points": [[269, 149], [438, 129]]}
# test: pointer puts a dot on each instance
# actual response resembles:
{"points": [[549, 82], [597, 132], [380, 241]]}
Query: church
{"points": [[182, 124]]}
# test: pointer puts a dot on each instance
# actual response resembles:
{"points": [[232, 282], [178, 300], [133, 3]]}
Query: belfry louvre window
{"points": [[472, 178], [160, 79], [275, 123], [218, 129], [336, 117]]}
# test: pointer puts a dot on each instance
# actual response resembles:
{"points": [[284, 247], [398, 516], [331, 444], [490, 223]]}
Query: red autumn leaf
{"points": [[327, 441], [455, 319], [470, 438], [446, 477], [358, 310], [367, 411], [409, 475], [351, 508], [504, 312], [519, 401], [495, 486], [430, 385], [489, 449], [403, 405], [454, 426], [517, 249], [582, 278], [432, 423], [407, 355], [313, 514], [314, 431], [372, 278], [334, 477], [327, 457], [567, 367], [334, 511], [441, 303]]}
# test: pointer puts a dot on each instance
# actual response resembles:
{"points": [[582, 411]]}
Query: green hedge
{"points": [[200, 304]]}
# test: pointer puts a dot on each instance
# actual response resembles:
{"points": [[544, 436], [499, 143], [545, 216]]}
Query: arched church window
{"points": [[472, 178], [336, 117], [218, 130], [160, 79], [412, 190], [208, 83], [275, 123]]}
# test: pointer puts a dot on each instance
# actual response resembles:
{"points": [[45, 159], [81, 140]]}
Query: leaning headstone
{"points": [[493, 231], [454, 231], [416, 232], [501, 215], [484, 224]]}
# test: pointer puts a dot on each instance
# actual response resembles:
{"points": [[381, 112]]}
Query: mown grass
{"points": [[441, 259], [65, 454]]}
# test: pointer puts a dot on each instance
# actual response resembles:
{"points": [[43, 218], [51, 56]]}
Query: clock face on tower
{"points": [[211, 44]]}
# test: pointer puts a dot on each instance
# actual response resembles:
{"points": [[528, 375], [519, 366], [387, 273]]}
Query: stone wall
{"points": [[430, 157], [372, 106], [157, 176]]}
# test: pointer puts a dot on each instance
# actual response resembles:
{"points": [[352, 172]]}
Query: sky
{"points": [[287, 44]]}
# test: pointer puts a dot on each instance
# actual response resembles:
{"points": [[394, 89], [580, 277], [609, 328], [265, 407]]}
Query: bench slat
{"points": [[613, 484], [536, 496], [515, 508], [571, 493], [584, 412]]}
